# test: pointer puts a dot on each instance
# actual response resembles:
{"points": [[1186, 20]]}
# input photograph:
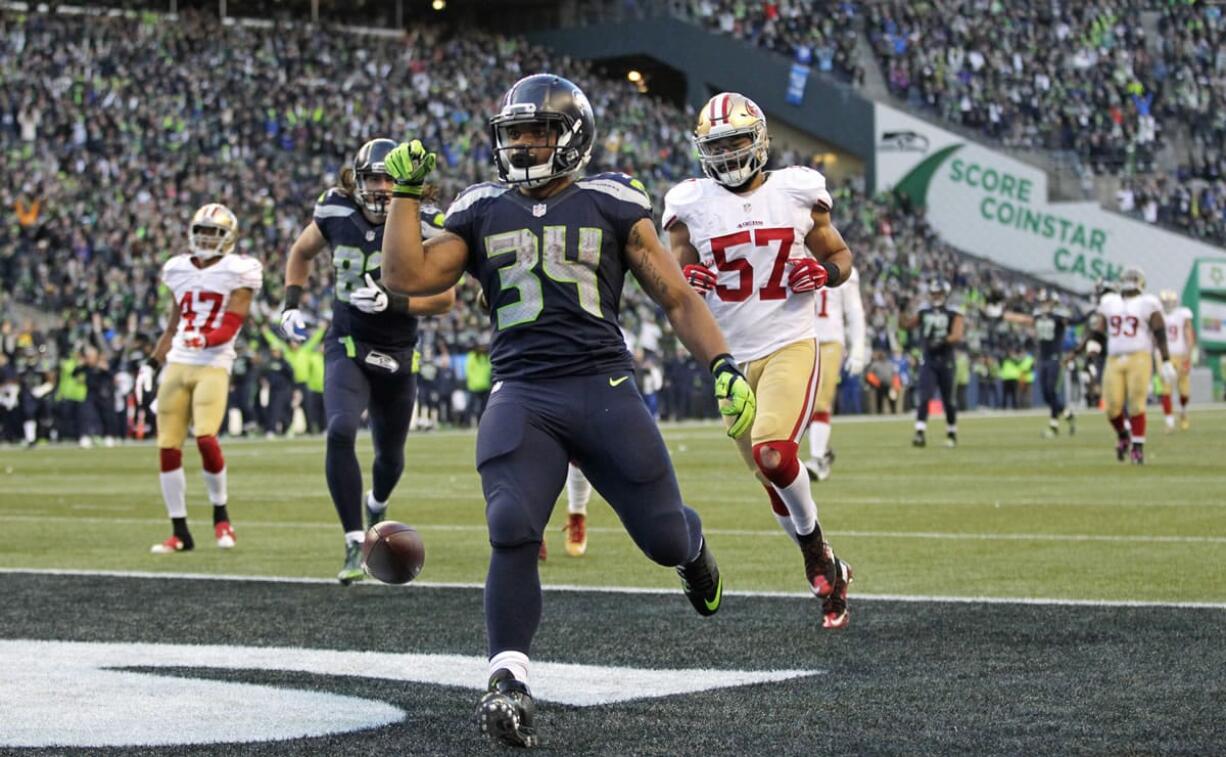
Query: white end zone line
{"points": [[1044, 601]]}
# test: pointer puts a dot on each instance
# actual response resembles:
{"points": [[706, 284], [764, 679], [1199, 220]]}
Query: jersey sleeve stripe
{"points": [[470, 198], [333, 211], [619, 191]]}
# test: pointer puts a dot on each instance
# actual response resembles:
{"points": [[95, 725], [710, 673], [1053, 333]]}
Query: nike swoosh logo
{"points": [[713, 604], [617, 381]]}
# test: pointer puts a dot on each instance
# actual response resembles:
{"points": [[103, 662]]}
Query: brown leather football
{"points": [[393, 552]]}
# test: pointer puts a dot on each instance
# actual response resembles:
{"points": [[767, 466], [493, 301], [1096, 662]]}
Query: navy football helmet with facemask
{"points": [[367, 163], [559, 105]]}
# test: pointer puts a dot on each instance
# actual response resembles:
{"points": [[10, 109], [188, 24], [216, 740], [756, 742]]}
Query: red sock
{"points": [[1138, 427], [821, 417], [1183, 400], [776, 501], [1118, 424], [171, 459], [1166, 404], [210, 454]]}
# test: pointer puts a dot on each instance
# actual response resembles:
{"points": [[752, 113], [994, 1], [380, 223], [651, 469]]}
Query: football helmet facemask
{"points": [[368, 163], [938, 292], [1170, 300], [213, 231], [1132, 280], [560, 106], [731, 139]]}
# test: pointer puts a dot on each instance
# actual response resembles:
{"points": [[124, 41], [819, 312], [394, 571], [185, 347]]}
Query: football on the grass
{"points": [[393, 552]]}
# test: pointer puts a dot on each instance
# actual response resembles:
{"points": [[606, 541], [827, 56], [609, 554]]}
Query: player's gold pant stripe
{"points": [[190, 394], [828, 383], [1126, 381]]}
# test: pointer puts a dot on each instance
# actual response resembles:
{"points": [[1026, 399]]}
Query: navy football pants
{"points": [[529, 431], [937, 375], [351, 387], [1049, 381]]}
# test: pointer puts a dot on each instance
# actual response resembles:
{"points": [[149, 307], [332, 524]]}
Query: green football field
{"points": [[1006, 514]]}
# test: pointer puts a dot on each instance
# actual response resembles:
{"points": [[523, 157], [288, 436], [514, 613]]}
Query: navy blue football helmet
{"points": [[370, 162], [560, 105]]}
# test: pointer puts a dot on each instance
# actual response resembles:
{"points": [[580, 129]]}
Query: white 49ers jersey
{"points": [[838, 306], [203, 295], [1175, 340], [1128, 322], [747, 240]]}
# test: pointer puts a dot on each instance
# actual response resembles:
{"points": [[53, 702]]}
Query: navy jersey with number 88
{"points": [[552, 270]]}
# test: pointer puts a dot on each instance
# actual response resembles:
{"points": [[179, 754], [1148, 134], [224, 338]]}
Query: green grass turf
{"points": [[1006, 514]]}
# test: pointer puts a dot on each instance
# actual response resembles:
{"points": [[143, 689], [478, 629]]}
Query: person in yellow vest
{"points": [[479, 375]]}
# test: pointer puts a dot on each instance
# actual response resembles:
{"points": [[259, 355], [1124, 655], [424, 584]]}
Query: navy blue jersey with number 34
{"points": [[552, 271]]}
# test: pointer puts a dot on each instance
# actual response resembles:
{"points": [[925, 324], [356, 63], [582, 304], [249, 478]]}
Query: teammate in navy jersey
{"points": [[368, 352], [940, 328], [551, 252], [1050, 324]]}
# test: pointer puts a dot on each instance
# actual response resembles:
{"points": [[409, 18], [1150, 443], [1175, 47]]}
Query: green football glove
{"points": [[409, 164], [730, 385]]}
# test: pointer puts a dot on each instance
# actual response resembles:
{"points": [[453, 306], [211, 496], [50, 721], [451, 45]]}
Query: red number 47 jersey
{"points": [[203, 295]]}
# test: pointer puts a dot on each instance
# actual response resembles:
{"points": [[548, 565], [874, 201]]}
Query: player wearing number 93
{"points": [[758, 244], [551, 251], [368, 352], [212, 288]]}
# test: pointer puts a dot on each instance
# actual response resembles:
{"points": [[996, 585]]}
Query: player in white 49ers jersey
{"points": [[840, 319], [758, 245], [212, 291], [1181, 341], [1134, 326]]}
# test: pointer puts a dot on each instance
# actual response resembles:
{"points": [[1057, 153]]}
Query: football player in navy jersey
{"points": [[368, 352], [1050, 324], [551, 251], [940, 328]]}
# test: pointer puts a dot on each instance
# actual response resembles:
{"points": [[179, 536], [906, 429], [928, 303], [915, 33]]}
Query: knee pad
{"points": [[789, 466], [171, 458], [210, 454], [342, 429], [510, 524]]}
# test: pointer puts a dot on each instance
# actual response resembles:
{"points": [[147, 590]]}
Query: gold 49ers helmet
{"points": [[1170, 300], [731, 139], [213, 231], [1132, 281]]}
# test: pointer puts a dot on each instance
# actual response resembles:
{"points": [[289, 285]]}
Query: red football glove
{"points": [[701, 278], [807, 275]]}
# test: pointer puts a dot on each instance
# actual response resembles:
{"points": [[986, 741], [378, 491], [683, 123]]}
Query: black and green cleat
{"points": [[352, 569], [702, 583], [505, 713]]}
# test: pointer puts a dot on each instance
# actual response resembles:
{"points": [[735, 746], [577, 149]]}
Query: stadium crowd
{"points": [[113, 131]]}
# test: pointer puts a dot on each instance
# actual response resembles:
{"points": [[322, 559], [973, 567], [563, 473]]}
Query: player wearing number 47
{"points": [[758, 245], [212, 288], [551, 251], [368, 352]]}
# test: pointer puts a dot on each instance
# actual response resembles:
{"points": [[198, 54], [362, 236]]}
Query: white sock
{"points": [[785, 522], [355, 537], [1170, 421], [819, 439], [921, 425], [951, 429], [374, 505], [516, 662], [798, 496], [216, 484], [30, 429], [174, 492], [578, 491]]}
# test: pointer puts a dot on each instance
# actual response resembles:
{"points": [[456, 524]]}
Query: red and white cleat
{"points": [[834, 606], [576, 534], [169, 547], [225, 535]]}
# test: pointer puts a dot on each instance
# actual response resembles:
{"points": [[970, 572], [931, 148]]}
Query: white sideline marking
{"points": [[109, 707], [766, 533], [630, 589]]}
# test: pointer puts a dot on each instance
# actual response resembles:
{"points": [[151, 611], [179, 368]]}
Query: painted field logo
{"points": [[112, 706]]}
